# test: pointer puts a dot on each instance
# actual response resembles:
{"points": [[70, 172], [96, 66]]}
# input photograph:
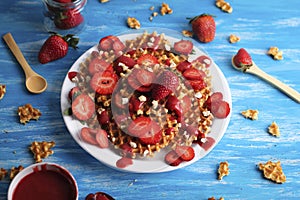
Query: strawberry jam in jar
{"points": [[64, 16]]}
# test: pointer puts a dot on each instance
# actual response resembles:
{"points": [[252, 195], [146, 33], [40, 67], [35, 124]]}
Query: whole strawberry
{"points": [[242, 59], [204, 27], [56, 47], [68, 19]]}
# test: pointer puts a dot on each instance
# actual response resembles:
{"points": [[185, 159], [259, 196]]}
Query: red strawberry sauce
{"points": [[208, 143], [47, 185], [124, 162]]}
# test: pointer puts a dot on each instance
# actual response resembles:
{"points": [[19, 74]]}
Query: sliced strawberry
{"points": [[153, 135], [135, 84], [72, 75], [205, 60], [186, 103], [101, 138], [145, 77], [221, 109], [139, 125], [103, 118], [135, 104], [106, 43], [104, 82], [88, 136], [83, 107], [126, 150], [118, 45], [172, 159], [197, 85], [99, 65], [184, 65], [147, 60], [123, 61], [159, 92], [193, 74], [74, 92], [117, 99], [183, 47], [215, 98], [186, 153]]}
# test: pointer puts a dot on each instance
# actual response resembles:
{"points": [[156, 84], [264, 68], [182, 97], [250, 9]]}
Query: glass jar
{"points": [[64, 18]]}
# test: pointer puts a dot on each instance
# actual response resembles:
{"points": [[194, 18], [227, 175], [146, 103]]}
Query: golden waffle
{"points": [[197, 114]]}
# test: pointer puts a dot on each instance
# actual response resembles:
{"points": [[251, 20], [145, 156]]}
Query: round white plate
{"points": [[156, 164]]}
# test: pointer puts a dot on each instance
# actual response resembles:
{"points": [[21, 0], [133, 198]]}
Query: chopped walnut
{"points": [[187, 33], [151, 8], [165, 9], [251, 114], [41, 150], [275, 53], [14, 171], [274, 129], [104, 1], [2, 91], [224, 6], [213, 198], [3, 173], [273, 171], [27, 112], [233, 38], [133, 23], [223, 170]]}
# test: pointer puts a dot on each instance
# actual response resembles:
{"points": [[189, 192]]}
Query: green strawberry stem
{"points": [[202, 15]]}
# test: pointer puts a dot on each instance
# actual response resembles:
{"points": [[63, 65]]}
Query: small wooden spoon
{"points": [[35, 83], [254, 69]]}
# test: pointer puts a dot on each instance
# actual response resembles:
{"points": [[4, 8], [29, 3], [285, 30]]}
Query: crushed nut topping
{"points": [[273, 171], [223, 170], [213, 198], [14, 171], [41, 150], [2, 91], [274, 129], [27, 112], [165, 9], [133, 23], [187, 33], [251, 114], [3, 173], [233, 38], [275, 53], [224, 6]]}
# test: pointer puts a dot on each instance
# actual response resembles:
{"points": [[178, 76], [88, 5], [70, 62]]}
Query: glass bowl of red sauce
{"points": [[43, 181]]}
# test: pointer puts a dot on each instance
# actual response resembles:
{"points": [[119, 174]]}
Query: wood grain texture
{"points": [[259, 24]]}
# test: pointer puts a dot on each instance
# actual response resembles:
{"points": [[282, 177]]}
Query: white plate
{"points": [[155, 164]]}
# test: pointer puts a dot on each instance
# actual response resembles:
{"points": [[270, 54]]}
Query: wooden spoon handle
{"points": [[8, 38], [275, 82]]}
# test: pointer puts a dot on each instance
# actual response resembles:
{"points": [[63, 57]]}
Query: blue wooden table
{"points": [[259, 24]]}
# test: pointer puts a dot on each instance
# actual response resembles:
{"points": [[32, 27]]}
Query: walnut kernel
{"points": [[224, 6], [41, 150], [14, 171], [233, 38], [133, 23], [165, 9], [223, 170], [3, 173], [251, 114], [27, 112], [2, 91], [273, 171], [187, 33], [275, 53], [274, 129]]}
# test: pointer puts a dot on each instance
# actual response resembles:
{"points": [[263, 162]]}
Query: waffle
{"points": [[197, 115]]}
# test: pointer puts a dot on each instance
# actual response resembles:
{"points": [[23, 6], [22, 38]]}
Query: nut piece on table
{"points": [[224, 6], [2, 91], [104, 1], [274, 129], [3, 173], [41, 150], [14, 171], [251, 114], [223, 170], [133, 23], [273, 171], [213, 198], [27, 112], [275, 53], [165, 9], [187, 33], [233, 38]]}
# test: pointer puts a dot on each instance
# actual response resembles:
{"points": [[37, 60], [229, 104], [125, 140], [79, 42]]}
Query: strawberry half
{"points": [[145, 77], [205, 60], [134, 82], [104, 82], [186, 153], [121, 61], [101, 138], [106, 43], [242, 59], [184, 65], [193, 74], [88, 135], [172, 158], [140, 124], [221, 109], [183, 47], [83, 107], [99, 65], [153, 135], [215, 98], [147, 60]]}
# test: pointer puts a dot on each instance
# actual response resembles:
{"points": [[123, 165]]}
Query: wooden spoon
{"points": [[35, 83], [254, 69]]}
